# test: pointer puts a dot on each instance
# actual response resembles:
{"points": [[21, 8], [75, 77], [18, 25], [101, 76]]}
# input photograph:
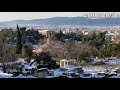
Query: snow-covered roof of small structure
{"points": [[67, 60], [42, 69], [43, 30]]}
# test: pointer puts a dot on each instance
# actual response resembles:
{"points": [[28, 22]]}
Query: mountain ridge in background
{"points": [[66, 21]]}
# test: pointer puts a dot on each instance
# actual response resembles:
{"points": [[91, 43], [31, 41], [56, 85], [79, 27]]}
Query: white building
{"points": [[113, 37], [85, 32], [67, 63]]}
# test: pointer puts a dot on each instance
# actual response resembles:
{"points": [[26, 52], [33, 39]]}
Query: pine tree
{"points": [[18, 41], [45, 59]]}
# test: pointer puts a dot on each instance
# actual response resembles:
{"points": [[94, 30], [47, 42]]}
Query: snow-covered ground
{"points": [[21, 76], [113, 62], [26, 66], [5, 75], [91, 71], [57, 73]]}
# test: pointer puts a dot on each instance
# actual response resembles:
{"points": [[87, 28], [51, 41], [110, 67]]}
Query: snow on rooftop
{"points": [[43, 30], [67, 60]]}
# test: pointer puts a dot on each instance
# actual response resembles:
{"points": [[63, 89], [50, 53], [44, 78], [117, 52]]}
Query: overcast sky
{"points": [[8, 16]]}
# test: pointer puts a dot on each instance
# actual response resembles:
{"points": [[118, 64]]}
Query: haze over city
{"points": [[8, 16]]}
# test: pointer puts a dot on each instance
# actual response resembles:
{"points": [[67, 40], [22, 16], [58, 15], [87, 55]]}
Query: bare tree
{"points": [[7, 52], [79, 52], [69, 49], [84, 52], [56, 50]]}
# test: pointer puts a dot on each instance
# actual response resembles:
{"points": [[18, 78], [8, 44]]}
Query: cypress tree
{"points": [[18, 41], [27, 51]]}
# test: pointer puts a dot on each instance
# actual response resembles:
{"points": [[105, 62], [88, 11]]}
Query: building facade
{"points": [[113, 37], [47, 33]]}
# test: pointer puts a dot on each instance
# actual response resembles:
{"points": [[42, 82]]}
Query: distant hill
{"points": [[65, 21]]}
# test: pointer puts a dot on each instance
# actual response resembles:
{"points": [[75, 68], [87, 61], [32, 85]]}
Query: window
{"points": [[65, 63], [50, 34], [70, 62]]}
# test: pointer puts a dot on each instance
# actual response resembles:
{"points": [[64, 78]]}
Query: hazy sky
{"points": [[7, 16]]}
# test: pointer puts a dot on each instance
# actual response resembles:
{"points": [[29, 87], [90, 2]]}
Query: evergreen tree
{"points": [[27, 51], [23, 32], [60, 35], [46, 60], [18, 41]]}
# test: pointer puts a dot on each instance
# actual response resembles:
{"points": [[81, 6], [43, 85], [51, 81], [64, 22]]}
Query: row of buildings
{"points": [[111, 36]]}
